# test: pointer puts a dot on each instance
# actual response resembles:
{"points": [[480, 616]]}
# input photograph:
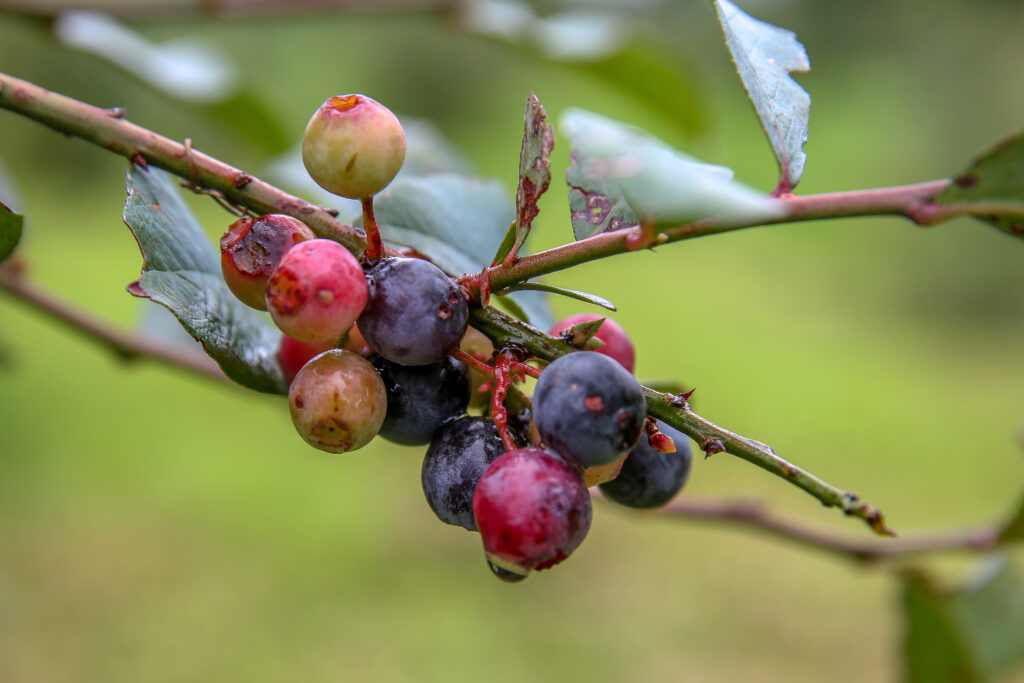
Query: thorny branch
{"points": [[110, 130]]}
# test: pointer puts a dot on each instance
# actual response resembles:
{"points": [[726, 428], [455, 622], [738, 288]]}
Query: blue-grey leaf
{"points": [[621, 175], [765, 55], [181, 271]]}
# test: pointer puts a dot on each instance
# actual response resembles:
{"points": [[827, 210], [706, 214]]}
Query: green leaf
{"points": [[181, 271], [571, 293], [621, 174], [10, 231], [456, 220], [974, 632], [994, 181], [765, 55], [534, 168]]}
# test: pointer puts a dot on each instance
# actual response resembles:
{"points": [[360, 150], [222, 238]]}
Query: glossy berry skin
{"points": [[532, 510], [353, 146], [455, 461], [292, 354], [421, 398], [252, 248], [617, 344], [649, 479], [317, 291], [415, 314], [588, 408], [337, 401]]}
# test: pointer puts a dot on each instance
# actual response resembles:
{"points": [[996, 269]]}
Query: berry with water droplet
{"points": [[532, 510]]}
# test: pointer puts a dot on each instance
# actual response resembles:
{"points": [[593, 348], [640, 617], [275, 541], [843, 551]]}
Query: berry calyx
{"points": [[252, 248], [337, 401], [317, 291], [588, 408], [353, 146], [532, 510], [617, 344], [649, 478], [415, 314]]}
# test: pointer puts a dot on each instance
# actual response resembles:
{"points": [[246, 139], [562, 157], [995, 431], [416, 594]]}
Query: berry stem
{"points": [[374, 246], [502, 381], [468, 359]]}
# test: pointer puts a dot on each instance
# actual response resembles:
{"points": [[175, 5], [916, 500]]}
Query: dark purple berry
{"points": [[455, 461], [415, 314], [650, 479], [421, 398], [589, 408], [532, 510]]}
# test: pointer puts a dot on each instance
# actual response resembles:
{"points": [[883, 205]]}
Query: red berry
{"points": [[252, 248], [617, 344], [532, 510], [317, 291], [292, 354]]}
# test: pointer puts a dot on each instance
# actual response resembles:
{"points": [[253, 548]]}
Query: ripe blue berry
{"points": [[532, 510], [455, 461], [415, 314], [589, 408], [421, 398], [650, 479]]}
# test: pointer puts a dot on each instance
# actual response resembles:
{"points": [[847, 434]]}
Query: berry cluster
{"points": [[382, 346]]}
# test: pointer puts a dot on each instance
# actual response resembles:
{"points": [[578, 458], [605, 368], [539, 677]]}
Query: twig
{"points": [[131, 141], [676, 412], [757, 517], [124, 345]]}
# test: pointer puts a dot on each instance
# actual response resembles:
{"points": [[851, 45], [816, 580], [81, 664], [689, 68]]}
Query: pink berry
{"points": [[532, 510], [252, 248], [617, 344], [337, 401], [317, 291]]}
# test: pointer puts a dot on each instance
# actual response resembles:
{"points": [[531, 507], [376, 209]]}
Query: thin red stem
{"points": [[374, 246], [472, 362], [499, 415]]}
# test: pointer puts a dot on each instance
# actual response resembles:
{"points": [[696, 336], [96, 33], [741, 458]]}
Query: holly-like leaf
{"points": [[571, 293], [621, 174], [456, 220], [534, 169], [10, 231], [972, 633], [765, 55], [181, 271], [996, 181]]}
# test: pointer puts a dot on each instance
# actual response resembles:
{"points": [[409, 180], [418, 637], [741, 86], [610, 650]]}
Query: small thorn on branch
{"points": [[711, 446]]}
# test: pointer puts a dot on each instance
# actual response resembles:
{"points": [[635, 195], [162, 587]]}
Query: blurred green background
{"points": [[154, 526]]}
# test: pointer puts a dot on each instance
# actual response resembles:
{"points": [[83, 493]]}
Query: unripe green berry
{"points": [[353, 146], [337, 401]]}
